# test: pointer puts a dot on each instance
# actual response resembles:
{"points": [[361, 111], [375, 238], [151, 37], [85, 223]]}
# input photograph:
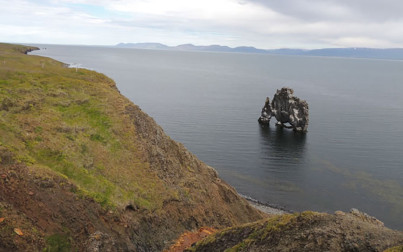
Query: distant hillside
{"points": [[370, 53], [190, 47]]}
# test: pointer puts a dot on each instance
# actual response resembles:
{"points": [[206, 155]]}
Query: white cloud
{"points": [[264, 24]]}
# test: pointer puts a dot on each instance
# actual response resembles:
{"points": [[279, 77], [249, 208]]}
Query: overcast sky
{"points": [[261, 23]]}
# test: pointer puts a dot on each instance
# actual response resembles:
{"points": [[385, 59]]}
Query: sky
{"points": [[265, 24]]}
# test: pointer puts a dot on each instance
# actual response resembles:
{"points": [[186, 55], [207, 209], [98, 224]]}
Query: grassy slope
{"points": [[54, 117], [74, 124]]}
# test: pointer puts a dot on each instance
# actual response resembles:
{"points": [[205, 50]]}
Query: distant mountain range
{"points": [[371, 53], [190, 47]]}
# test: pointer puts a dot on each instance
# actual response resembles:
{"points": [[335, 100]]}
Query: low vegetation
{"points": [[53, 117]]}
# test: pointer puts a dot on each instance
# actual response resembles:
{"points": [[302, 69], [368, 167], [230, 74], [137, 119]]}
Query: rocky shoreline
{"points": [[265, 207]]}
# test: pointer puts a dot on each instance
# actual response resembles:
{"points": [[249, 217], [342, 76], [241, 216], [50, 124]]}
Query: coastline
{"points": [[265, 207], [270, 209]]}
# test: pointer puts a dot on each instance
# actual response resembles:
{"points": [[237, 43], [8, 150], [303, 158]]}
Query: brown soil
{"points": [[46, 209], [187, 239]]}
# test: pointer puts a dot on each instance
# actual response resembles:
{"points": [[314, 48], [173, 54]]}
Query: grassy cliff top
{"points": [[73, 123]]}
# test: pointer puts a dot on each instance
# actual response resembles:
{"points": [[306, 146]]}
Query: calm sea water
{"points": [[352, 155]]}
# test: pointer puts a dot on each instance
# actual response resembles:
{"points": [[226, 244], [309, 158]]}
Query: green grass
{"points": [[395, 249], [71, 123], [58, 243]]}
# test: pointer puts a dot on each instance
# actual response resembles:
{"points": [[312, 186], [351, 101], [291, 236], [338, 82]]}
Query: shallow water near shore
{"points": [[351, 157]]}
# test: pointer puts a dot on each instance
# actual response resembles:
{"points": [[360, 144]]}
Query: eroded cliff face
{"points": [[202, 199], [83, 168]]}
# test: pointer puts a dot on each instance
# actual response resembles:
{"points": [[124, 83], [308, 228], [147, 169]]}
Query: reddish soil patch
{"points": [[186, 240]]}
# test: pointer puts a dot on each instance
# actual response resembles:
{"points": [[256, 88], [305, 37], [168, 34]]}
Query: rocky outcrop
{"points": [[267, 112], [307, 231], [286, 108]]}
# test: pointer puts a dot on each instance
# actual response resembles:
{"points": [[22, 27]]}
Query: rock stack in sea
{"points": [[286, 108]]}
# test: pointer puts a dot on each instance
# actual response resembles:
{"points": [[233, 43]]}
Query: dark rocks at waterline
{"points": [[286, 108]]}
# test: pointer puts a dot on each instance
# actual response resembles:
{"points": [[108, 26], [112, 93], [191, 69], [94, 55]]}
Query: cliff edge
{"points": [[83, 168]]}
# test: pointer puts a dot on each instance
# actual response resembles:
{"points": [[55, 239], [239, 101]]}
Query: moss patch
{"points": [[58, 243]]}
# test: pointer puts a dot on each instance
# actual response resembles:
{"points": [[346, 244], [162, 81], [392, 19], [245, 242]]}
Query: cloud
{"points": [[260, 23], [342, 23], [346, 10]]}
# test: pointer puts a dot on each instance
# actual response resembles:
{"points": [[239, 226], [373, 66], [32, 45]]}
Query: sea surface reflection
{"points": [[281, 143]]}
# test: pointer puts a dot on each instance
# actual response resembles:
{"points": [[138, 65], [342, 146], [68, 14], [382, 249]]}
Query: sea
{"points": [[351, 156]]}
